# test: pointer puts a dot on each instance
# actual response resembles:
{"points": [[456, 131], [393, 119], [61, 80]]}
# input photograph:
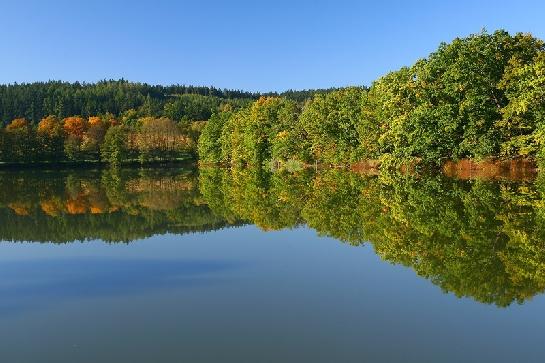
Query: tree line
{"points": [[114, 123], [482, 96], [110, 121], [78, 139], [34, 101], [478, 97]]}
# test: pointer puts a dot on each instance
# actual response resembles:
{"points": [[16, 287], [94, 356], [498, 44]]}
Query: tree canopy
{"points": [[477, 97]]}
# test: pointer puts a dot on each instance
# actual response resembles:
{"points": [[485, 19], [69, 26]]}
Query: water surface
{"points": [[176, 264]]}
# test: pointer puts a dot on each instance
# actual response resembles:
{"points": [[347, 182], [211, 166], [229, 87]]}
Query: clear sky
{"points": [[251, 45]]}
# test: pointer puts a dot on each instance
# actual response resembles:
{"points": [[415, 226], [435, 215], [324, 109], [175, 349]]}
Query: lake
{"points": [[178, 264]]}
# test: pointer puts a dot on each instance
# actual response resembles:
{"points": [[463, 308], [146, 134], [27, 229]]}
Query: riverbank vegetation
{"points": [[97, 139], [116, 121], [478, 97]]}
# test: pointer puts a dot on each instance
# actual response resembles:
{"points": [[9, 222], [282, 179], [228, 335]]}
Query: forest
{"points": [[479, 97], [111, 121]]}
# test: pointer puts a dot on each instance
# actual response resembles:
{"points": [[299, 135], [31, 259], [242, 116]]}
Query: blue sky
{"points": [[251, 45]]}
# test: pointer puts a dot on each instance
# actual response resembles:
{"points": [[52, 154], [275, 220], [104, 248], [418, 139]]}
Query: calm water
{"points": [[172, 265]]}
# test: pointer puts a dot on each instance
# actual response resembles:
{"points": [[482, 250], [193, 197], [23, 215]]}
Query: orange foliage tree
{"points": [[18, 124], [50, 126], [75, 126], [95, 121]]}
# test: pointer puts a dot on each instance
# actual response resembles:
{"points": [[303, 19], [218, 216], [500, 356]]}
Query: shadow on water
{"points": [[482, 238]]}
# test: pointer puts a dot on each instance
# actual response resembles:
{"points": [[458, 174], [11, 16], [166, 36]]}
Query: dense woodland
{"points": [[34, 101], [477, 97], [114, 121], [111, 121]]}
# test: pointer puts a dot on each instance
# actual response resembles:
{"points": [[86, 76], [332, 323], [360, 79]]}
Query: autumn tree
{"points": [[19, 142], [51, 136], [93, 138], [159, 139], [18, 124], [75, 126]]}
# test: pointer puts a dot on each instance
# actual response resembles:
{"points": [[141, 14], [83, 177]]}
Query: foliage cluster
{"points": [[98, 139], [478, 97], [117, 121]]}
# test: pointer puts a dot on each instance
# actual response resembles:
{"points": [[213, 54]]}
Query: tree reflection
{"points": [[110, 204], [479, 239], [475, 238]]}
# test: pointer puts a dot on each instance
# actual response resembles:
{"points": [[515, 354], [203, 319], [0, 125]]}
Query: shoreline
{"points": [[521, 169]]}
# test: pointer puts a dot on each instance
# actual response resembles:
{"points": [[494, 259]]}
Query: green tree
{"points": [[114, 150], [191, 107], [248, 134], [331, 122], [209, 147], [447, 106], [522, 126]]}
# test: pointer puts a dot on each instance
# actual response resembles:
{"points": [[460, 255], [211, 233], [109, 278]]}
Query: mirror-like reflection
{"points": [[480, 239], [110, 204], [483, 239]]}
